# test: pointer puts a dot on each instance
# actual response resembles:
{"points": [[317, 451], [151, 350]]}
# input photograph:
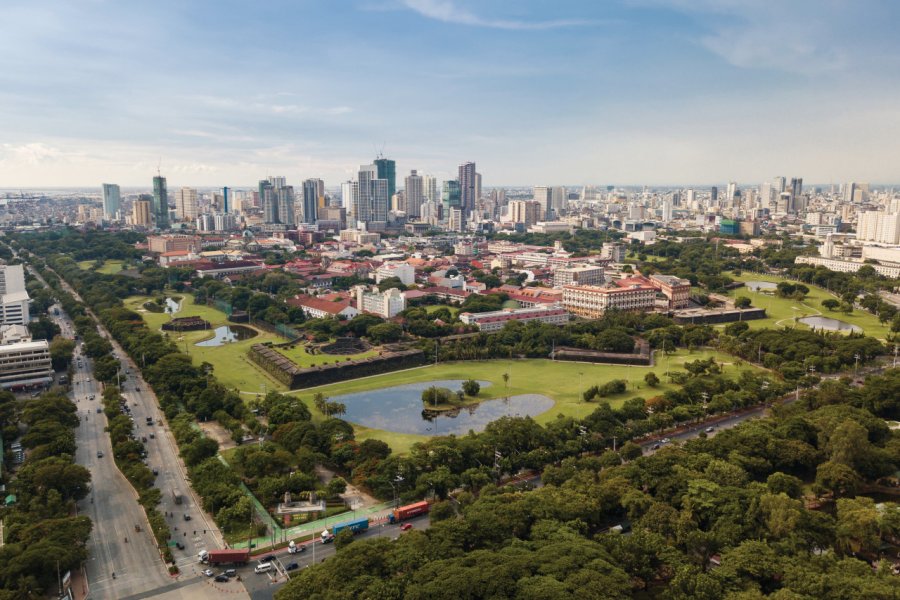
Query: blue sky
{"points": [[554, 92]]}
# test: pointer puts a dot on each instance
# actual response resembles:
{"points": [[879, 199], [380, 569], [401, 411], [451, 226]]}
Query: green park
{"points": [[785, 312], [109, 267]]}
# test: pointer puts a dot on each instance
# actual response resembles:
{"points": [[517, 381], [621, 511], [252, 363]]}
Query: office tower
{"points": [[477, 187], [363, 209], [310, 200], [387, 169], [849, 192], [713, 195], [778, 184], [542, 196], [765, 194], [268, 200], [226, 200], [430, 188], [451, 196], [278, 182], [380, 200], [796, 187], [415, 194], [455, 221], [112, 200], [467, 186], [186, 204], [160, 202], [731, 194], [286, 215], [205, 222], [666, 211], [224, 222], [349, 191], [558, 200], [527, 212], [141, 213]]}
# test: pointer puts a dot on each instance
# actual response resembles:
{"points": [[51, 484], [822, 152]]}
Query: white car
{"points": [[208, 572]]}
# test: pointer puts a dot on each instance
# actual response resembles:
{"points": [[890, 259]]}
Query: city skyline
{"points": [[656, 92]]}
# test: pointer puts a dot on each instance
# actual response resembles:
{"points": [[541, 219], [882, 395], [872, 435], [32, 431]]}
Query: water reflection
{"points": [[226, 334], [828, 324], [400, 409]]}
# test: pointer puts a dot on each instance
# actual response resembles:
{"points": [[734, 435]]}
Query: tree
{"points": [[384, 333], [742, 302], [61, 350], [471, 387], [831, 303], [343, 539], [651, 379]]}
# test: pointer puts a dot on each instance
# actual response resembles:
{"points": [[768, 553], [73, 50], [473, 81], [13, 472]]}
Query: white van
{"points": [[262, 568]]}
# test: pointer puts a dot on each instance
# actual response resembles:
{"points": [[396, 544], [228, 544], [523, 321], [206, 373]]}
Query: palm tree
{"points": [[506, 380]]}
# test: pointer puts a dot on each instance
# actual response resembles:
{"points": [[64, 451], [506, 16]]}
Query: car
{"points": [[208, 572], [99, 453], [710, 429], [187, 517], [269, 558], [220, 579], [292, 567], [152, 435], [229, 572], [665, 440], [99, 410], [155, 471], [263, 567], [406, 527], [654, 447], [179, 545]]}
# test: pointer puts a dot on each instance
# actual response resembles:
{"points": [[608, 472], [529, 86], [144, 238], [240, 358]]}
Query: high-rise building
{"points": [[349, 191], [310, 200], [779, 185], [796, 188], [141, 212], [430, 188], [186, 204], [467, 187], [527, 212], [558, 200], [226, 200], [160, 202], [542, 196], [269, 201], [713, 195], [477, 187], [451, 196], [286, 214], [732, 194], [225, 222], [415, 194], [666, 211], [112, 200], [387, 169]]}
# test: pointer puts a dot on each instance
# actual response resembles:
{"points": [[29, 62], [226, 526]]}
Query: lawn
{"points": [[562, 381], [302, 358], [781, 311], [454, 310], [110, 267], [230, 363]]}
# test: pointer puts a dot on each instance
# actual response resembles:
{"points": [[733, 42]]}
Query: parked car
{"points": [[221, 579], [179, 545], [229, 572], [187, 517], [99, 410], [99, 453], [208, 572]]}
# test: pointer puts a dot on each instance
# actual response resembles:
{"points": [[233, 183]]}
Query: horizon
{"points": [[661, 92]]}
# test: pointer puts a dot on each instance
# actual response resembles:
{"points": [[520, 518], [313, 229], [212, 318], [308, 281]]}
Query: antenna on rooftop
{"points": [[158, 167]]}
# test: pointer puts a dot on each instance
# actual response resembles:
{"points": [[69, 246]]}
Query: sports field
{"points": [[110, 267]]}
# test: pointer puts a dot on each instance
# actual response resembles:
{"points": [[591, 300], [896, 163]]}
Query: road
{"points": [[263, 586], [113, 507]]}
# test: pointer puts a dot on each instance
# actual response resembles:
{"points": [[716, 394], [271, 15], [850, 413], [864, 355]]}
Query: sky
{"points": [[606, 92]]}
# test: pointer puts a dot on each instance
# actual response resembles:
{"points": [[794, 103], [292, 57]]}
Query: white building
{"points": [[497, 319], [401, 270], [592, 301], [847, 266], [387, 304], [878, 226], [578, 275], [186, 204], [25, 363], [14, 300]]}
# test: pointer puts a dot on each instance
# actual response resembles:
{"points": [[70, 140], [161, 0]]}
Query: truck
{"points": [[294, 548], [355, 526], [178, 498], [235, 556], [408, 512]]}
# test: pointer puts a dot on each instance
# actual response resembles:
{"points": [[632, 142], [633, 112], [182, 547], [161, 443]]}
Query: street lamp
{"points": [[856, 368]]}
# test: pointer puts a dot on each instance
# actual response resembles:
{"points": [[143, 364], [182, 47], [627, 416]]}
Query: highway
{"points": [[112, 506]]}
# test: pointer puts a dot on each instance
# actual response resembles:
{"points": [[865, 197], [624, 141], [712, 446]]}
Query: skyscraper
{"points": [[467, 187], [310, 200], [112, 200], [559, 200], [268, 201], [415, 194], [542, 196], [286, 215], [141, 212], [226, 200], [796, 187], [451, 196], [363, 209], [387, 169], [430, 188], [186, 204], [160, 202]]}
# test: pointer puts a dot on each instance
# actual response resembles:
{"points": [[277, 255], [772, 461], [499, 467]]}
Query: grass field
{"points": [[302, 358], [230, 363], [454, 310], [781, 311], [110, 267], [564, 382]]}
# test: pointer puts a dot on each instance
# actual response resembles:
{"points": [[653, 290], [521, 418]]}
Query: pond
{"points": [[172, 306], [828, 324], [228, 333], [756, 286], [399, 409]]}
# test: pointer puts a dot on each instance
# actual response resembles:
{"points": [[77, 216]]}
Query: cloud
{"points": [[449, 12]]}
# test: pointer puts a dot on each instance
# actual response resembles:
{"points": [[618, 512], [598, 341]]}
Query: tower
{"points": [[387, 169], [112, 200], [160, 202], [310, 200], [415, 191], [467, 184]]}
